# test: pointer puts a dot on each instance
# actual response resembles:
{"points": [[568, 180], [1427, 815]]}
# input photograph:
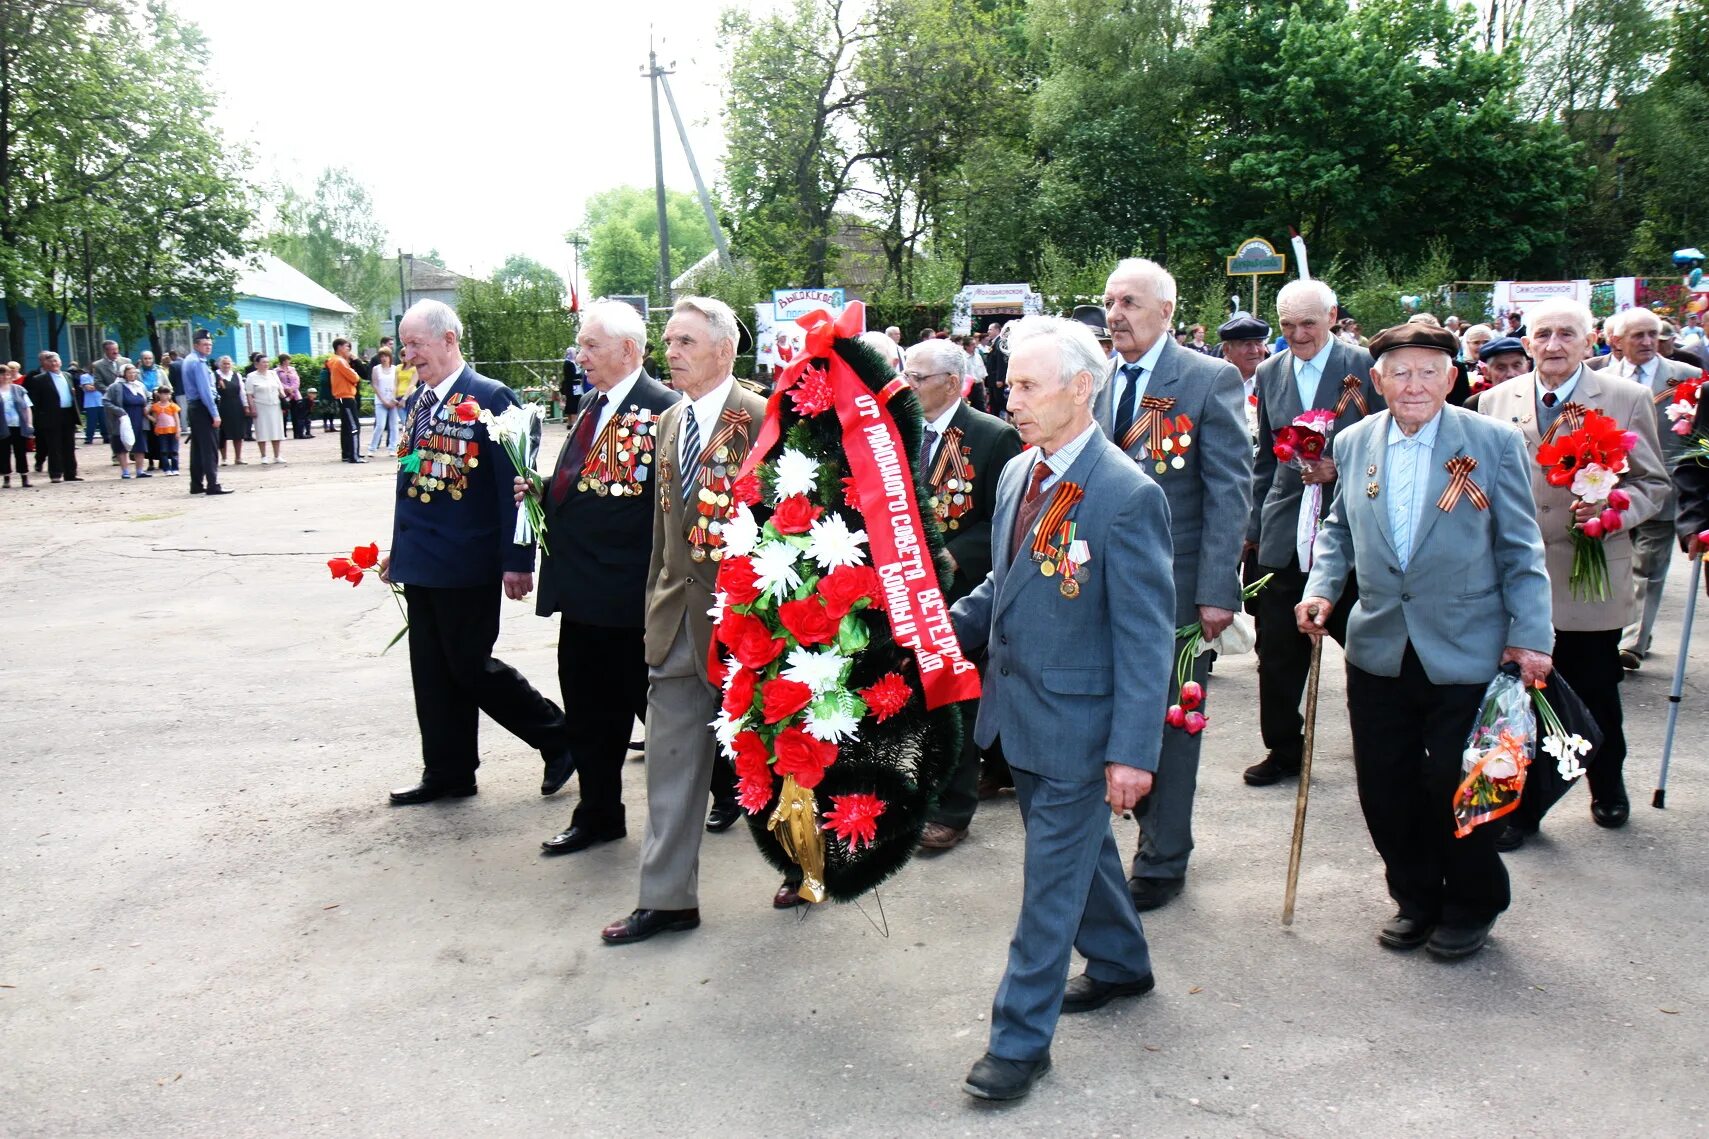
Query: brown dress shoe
{"points": [[788, 896], [938, 836], [991, 788]]}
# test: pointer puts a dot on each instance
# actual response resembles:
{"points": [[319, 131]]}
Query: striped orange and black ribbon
{"points": [[1351, 393], [733, 426], [1064, 499], [1150, 422], [1571, 418], [1460, 469]]}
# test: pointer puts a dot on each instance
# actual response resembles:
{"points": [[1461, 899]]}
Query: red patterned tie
{"points": [[1032, 504], [577, 454]]}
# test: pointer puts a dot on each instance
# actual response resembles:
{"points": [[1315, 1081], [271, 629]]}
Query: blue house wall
{"points": [[261, 323]]}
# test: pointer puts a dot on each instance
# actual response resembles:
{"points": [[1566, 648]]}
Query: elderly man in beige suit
{"points": [[1547, 402], [703, 439]]}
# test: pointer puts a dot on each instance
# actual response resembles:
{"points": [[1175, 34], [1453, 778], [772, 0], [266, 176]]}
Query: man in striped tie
{"points": [[1433, 516]]}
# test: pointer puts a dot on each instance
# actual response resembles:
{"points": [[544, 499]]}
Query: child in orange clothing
{"points": [[163, 413]]}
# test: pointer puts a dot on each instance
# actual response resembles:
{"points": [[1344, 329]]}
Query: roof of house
{"points": [[426, 277], [272, 279]]}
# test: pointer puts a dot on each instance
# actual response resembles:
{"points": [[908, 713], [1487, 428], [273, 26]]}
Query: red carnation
{"points": [[851, 492], [750, 642], [807, 621], [887, 696], [739, 695], [804, 757], [747, 490], [781, 699], [753, 794], [737, 580], [468, 411], [366, 556], [845, 586], [795, 515], [753, 772], [854, 818], [813, 394]]}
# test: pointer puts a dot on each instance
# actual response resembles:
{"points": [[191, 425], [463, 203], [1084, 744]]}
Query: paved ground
{"points": [[215, 926]]}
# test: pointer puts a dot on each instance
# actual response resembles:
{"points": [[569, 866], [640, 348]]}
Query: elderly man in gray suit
{"points": [[1077, 616], [1435, 518], [1637, 333], [1180, 416], [1322, 372]]}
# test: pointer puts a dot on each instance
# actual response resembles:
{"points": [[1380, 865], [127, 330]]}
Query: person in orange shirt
{"points": [[344, 381], [163, 416]]}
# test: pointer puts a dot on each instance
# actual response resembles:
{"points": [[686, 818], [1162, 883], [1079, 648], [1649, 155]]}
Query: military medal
{"points": [[952, 477], [1054, 545], [719, 463], [1371, 490], [618, 461]]}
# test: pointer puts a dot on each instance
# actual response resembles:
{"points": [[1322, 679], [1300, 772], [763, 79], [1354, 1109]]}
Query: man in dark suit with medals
{"points": [[453, 548], [962, 451], [593, 563], [1177, 414]]}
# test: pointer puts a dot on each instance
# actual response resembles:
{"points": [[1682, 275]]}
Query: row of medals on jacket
{"points": [[447, 450], [620, 462]]}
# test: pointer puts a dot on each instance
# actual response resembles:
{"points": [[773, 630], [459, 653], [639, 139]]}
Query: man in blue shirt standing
{"points": [[204, 414], [54, 397]]}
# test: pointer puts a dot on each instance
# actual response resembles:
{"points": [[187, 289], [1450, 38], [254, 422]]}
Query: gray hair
{"points": [[881, 343], [940, 356], [1555, 308], [438, 316], [1161, 282], [1078, 349], [1476, 330], [616, 318], [719, 315], [1626, 318], [1305, 292]]}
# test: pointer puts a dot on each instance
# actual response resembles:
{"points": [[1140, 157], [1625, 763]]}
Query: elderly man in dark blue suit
{"points": [[452, 548], [1077, 618]]}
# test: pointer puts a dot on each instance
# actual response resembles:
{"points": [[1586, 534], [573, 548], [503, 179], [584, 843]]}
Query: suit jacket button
{"points": [[1003, 640], [1005, 672], [1394, 571], [1406, 597]]}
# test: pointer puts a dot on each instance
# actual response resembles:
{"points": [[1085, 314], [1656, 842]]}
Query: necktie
{"points": [[691, 448], [1400, 488], [1032, 504], [571, 466], [423, 416], [1129, 400], [927, 446], [1550, 399]]}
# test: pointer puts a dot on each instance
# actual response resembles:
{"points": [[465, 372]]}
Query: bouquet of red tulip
{"points": [[1184, 713], [1590, 462], [1301, 442], [365, 560]]}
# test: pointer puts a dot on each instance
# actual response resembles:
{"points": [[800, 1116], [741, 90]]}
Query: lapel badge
{"points": [[1371, 470], [1371, 490]]}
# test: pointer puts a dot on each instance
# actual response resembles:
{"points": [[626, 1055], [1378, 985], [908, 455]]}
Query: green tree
{"points": [[1665, 172], [620, 262], [334, 238], [519, 272], [622, 225]]}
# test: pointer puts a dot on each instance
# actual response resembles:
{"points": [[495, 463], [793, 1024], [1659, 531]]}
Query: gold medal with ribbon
{"points": [[1352, 393], [720, 465], [1166, 437], [952, 481], [447, 452], [1055, 538], [620, 461], [1460, 483]]}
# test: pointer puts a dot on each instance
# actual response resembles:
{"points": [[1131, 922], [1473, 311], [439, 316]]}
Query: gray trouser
{"points": [[1652, 550], [680, 748], [1166, 815]]}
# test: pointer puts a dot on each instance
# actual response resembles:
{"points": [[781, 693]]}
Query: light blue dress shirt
{"points": [[1308, 374], [1406, 465], [63, 387]]}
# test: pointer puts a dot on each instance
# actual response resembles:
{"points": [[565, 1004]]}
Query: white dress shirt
{"points": [[614, 399], [706, 411], [1147, 365]]}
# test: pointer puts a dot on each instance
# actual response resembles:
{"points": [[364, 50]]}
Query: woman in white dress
{"points": [[266, 407], [384, 379]]}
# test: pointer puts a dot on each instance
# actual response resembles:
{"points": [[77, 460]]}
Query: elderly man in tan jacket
{"points": [[1546, 403]]}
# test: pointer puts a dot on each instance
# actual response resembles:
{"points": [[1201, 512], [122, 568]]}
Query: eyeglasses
{"points": [[921, 377]]}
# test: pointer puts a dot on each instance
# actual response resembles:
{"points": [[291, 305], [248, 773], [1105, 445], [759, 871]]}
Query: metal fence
{"points": [[535, 381]]}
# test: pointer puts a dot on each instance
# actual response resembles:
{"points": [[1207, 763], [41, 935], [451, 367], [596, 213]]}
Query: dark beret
{"points": [[1092, 316], [1414, 336], [1499, 345], [1243, 326]]}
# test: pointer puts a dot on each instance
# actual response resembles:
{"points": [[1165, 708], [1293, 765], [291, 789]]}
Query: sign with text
{"points": [[1256, 258], [787, 304]]}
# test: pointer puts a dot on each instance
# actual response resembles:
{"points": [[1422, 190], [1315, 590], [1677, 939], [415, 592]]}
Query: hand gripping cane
{"points": [[1305, 776], [1659, 802]]}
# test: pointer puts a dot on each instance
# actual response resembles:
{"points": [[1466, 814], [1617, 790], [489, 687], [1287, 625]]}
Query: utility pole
{"points": [[88, 300], [403, 292], [694, 169], [653, 72], [576, 241]]}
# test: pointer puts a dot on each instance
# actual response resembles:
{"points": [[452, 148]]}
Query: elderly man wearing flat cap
{"points": [[1434, 517], [1245, 343]]}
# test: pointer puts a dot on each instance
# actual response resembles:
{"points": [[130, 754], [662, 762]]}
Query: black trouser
{"points": [[1590, 662], [204, 449], [602, 676], [456, 678], [300, 419], [59, 440], [1284, 657], [15, 446], [1408, 739], [349, 430], [328, 412], [959, 798]]}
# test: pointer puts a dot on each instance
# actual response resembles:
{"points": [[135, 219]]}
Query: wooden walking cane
{"points": [[1305, 775]]}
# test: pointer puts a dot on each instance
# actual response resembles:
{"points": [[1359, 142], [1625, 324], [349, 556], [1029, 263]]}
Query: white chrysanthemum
{"points": [[726, 730], [832, 720], [796, 474], [717, 610], [821, 671], [775, 571], [831, 543], [741, 533]]}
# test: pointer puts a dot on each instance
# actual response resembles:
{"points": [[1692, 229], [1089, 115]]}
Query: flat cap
{"points": [[1414, 336], [1499, 345], [1243, 326], [1092, 316], [203, 334]]}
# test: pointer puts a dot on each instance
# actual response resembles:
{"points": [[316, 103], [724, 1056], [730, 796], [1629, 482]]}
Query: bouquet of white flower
{"points": [[517, 430]]}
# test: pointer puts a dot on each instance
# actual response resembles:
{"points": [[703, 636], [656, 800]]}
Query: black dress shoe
{"points": [[723, 815], [1273, 769], [1610, 813], [788, 896], [1403, 932], [218, 490], [993, 1077], [1085, 992], [425, 792], [1450, 943], [1152, 893], [577, 837], [1512, 836], [558, 770], [642, 924], [1629, 660]]}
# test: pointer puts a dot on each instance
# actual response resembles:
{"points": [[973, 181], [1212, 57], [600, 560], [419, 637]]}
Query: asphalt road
{"points": [[215, 926]]}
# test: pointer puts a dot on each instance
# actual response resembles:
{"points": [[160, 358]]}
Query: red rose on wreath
{"points": [[739, 696], [795, 515], [846, 585], [737, 581], [468, 411], [747, 490], [750, 642], [781, 699], [804, 757], [807, 621]]}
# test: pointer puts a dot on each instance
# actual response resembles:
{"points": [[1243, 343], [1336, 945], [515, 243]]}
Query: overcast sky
{"points": [[546, 97]]}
